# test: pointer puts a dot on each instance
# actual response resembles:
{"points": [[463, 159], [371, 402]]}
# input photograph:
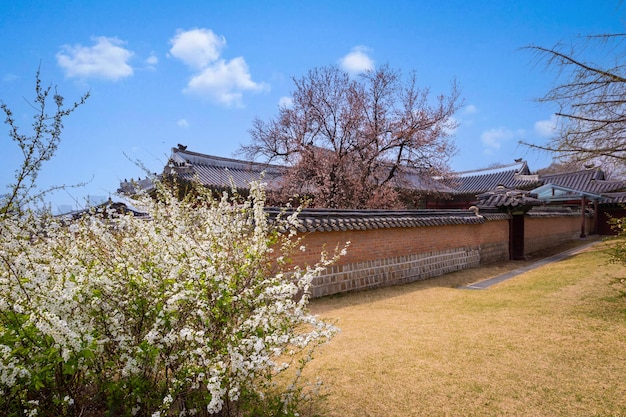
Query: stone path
{"points": [[483, 285]]}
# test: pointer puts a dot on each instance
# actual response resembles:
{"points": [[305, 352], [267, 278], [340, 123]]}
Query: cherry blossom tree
{"points": [[354, 142]]}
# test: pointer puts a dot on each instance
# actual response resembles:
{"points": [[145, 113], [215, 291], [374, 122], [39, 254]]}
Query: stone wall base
{"points": [[393, 271]]}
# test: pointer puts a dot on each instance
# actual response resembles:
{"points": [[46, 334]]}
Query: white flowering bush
{"points": [[190, 310]]}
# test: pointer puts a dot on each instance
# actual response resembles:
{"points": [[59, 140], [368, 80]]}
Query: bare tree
{"points": [[561, 166], [37, 147], [350, 143], [591, 101]]}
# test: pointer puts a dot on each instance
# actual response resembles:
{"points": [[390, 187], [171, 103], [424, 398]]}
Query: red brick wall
{"points": [[544, 232], [394, 256], [375, 244]]}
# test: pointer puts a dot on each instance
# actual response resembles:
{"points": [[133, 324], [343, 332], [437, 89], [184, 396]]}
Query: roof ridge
{"points": [[320, 220], [225, 159], [494, 170], [580, 171]]}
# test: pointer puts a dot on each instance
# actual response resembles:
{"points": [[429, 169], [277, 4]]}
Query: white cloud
{"points": [[357, 61], [464, 117], [197, 48], [152, 60], [285, 101], [469, 109], [493, 139], [223, 81], [546, 128], [7, 78], [183, 123], [106, 59]]}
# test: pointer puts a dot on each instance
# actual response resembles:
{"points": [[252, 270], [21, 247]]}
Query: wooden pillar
{"points": [[583, 205], [596, 217]]}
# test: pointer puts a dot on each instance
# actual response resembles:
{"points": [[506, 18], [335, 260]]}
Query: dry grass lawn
{"points": [[550, 342]]}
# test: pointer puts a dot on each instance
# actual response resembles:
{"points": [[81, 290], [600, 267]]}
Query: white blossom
{"points": [[186, 293]]}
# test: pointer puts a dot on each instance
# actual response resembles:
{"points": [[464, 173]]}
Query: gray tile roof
{"points": [[131, 187], [427, 183], [108, 207], [503, 197], [553, 211], [218, 172], [614, 198], [323, 220], [589, 180], [515, 176]]}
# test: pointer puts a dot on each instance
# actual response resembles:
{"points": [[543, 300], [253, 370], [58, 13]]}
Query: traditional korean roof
{"points": [[505, 198], [513, 176], [323, 220], [222, 173], [218, 172], [426, 183], [614, 198], [588, 180], [108, 207], [132, 187]]}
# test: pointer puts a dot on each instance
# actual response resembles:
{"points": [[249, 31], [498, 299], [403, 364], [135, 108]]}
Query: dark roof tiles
{"points": [[312, 220], [589, 180], [615, 198], [506, 198], [217, 171], [510, 176]]}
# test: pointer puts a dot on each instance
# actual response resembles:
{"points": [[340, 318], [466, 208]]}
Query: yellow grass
{"points": [[550, 342]]}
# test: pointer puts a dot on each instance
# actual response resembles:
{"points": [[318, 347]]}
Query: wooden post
{"points": [[595, 217], [583, 206]]}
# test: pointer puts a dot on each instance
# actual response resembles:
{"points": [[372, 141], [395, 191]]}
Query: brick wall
{"points": [[542, 232], [391, 256], [494, 241], [385, 243], [398, 255]]}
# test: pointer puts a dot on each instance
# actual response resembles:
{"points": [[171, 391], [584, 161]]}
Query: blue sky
{"points": [[198, 72]]}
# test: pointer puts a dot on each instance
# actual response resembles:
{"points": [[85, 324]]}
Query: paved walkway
{"points": [[483, 285]]}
